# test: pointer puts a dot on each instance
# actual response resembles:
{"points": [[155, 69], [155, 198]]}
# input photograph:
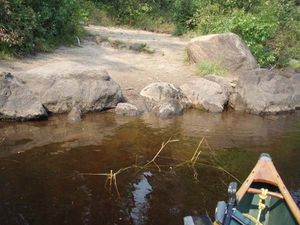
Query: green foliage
{"points": [[147, 14], [98, 14], [270, 28], [183, 15], [209, 67], [38, 25]]}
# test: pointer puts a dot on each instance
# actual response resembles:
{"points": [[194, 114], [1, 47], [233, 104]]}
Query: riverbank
{"points": [[153, 72], [130, 69]]}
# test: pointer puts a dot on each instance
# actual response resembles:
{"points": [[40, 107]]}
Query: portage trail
{"points": [[131, 69]]}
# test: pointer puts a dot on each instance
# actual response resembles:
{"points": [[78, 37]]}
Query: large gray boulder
{"points": [[206, 94], [226, 49], [17, 102], [89, 90], [263, 93]]}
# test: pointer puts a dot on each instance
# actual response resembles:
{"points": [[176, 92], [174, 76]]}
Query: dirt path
{"points": [[130, 69]]}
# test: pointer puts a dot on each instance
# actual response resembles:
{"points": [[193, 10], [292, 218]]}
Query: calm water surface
{"points": [[48, 169]]}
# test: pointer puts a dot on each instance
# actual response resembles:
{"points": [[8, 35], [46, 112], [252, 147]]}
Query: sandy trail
{"points": [[130, 69]]}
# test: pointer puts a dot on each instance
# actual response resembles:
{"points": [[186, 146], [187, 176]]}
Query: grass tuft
{"points": [[295, 64], [208, 67]]}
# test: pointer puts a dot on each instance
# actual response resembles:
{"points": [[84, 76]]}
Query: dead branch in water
{"points": [[163, 145], [111, 177]]}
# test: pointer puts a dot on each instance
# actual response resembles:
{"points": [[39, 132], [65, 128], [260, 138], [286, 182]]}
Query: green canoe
{"points": [[264, 199]]}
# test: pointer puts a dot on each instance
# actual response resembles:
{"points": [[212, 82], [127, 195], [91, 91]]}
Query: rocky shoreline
{"points": [[247, 88]]}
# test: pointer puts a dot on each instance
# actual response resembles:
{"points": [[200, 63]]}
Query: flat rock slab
{"points": [[17, 102]]}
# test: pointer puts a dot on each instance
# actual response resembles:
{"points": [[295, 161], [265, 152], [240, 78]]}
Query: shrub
{"points": [[183, 15], [270, 28], [143, 14], [38, 25]]}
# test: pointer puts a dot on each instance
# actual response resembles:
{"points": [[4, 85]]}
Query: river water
{"points": [[55, 173]]}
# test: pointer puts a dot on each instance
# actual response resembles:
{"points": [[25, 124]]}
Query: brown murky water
{"points": [[41, 166]]}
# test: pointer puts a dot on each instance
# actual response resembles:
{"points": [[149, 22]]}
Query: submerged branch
{"points": [[111, 177]]}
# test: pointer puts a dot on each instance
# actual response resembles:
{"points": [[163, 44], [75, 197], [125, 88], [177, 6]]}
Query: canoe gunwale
{"points": [[265, 172]]}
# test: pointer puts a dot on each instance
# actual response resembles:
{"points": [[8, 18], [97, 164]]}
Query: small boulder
{"points": [[205, 94], [263, 93], [168, 109], [226, 49], [164, 99], [75, 115], [162, 91], [126, 109], [17, 102]]}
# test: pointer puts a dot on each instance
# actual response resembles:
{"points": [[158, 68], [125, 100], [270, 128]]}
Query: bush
{"points": [[38, 25], [143, 14], [270, 28], [183, 15]]}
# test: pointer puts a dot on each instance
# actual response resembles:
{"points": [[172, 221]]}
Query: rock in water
{"points": [[164, 99], [168, 109], [91, 90], [161, 91], [75, 115], [126, 109], [17, 102], [226, 49], [205, 94], [262, 92]]}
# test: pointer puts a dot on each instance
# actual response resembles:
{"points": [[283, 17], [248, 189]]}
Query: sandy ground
{"points": [[130, 69]]}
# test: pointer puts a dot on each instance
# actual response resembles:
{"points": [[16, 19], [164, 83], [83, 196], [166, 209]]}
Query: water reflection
{"points": [[226, 130], [141, 192]]}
